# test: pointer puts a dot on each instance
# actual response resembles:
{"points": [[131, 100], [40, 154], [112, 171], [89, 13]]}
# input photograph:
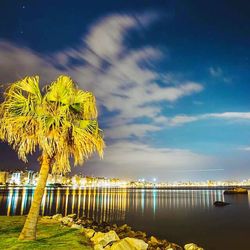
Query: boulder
{"points": [[104, 238], [73, 216], [57, 216], [98, 247], [66, 220], [154, 240], [88, 232], [47, 217], [123, 228], [192, 246], [128, 244], [221, 203], [79, 222], [140, 235], [76, 226]]}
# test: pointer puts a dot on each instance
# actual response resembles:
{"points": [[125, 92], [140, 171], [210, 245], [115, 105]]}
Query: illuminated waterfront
{"points": [[172, 214]]}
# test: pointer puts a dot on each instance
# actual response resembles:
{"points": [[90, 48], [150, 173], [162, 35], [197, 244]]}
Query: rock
{"points": [[192, 246], [128, 244], [66, 220], [104, 224], [76, 226], [88, 232], [123, 228], [57, 216], [89, 221], [47, 217], [131, 234], [140, 235], [168, 247], [154, 240], [79, 222], [172, 246], [73, 216], [104, 238], [98, 247], [221, 203]]}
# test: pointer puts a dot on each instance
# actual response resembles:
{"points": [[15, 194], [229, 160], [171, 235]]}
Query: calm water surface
{"points": [[180, 216]]}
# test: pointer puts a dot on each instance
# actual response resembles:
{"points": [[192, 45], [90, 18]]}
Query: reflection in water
{"points": [[106, 204], [149, 210]]}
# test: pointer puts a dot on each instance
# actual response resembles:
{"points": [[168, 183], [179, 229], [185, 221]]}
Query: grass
{"points": [[50, 235]]}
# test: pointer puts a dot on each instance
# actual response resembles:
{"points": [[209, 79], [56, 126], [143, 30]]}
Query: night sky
{"points": [[171, 79]]}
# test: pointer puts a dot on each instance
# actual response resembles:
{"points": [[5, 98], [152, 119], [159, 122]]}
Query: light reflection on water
{"points": [[106, 204], [178, 215]]}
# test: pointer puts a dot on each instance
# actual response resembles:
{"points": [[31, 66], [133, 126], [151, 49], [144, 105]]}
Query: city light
{"points": [[29, 178]]}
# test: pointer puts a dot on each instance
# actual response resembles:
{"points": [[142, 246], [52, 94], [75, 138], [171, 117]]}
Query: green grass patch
{"points": [[49, 235]]}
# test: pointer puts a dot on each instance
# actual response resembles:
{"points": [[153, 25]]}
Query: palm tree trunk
{"points": [[29, 229]]}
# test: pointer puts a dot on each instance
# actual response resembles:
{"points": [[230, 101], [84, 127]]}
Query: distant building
{"points": [[3, 177], [16, 178]]}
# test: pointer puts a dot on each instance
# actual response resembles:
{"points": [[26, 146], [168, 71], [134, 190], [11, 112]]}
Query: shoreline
{"points": [[6, 187], [108, 236]]}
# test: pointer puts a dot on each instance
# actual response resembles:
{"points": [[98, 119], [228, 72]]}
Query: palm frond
{"points": [[62, 122]]}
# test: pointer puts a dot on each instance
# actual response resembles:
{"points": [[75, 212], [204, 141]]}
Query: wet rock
{"points": [[104, 238], [128, 244], [221, 203], [171, 246], [88, 232], [123, 228], [89, 221], [57, 216], [192, 246], [95, 223], [79, 221], [131, 234], [140, 235], [66, 221], [73, 216], [104, 224], [154, 240]]}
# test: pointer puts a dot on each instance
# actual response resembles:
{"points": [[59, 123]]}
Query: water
{"points": [[180, 216]]}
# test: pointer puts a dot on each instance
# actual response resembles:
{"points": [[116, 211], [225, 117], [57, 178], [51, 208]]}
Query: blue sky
{"points": [[171, 80]]}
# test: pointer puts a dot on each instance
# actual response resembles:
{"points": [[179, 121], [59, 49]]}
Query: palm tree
{"points": [[60, 121]]}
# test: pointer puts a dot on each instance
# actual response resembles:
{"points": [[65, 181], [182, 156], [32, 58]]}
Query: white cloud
{"points": [[17, 62], [244, 148], [230, 115], [182, 119], [123, 79], [136, 160], [128, 130], [106, 37]]}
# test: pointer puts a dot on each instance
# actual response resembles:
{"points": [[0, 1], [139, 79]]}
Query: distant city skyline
{"points": [[171, 81], [30, 177]]}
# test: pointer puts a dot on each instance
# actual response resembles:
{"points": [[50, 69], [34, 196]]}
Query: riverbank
{"points": [[70, 232], [50, 234], [105, 236]]}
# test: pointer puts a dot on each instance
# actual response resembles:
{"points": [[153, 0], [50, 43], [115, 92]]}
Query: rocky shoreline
{"points": [[105, 236]]}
